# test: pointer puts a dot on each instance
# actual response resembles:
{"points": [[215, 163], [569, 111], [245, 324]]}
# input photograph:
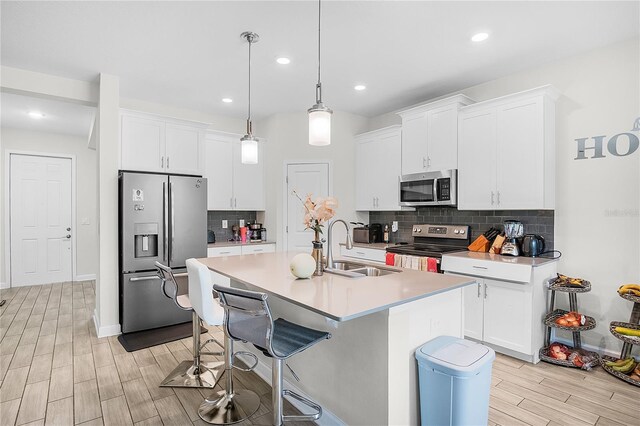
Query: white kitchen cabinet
{"points": [[231, 184], [506, 157], [430, 135], [237, 250], [224, 251], [156, 144], [258, 248], [378, 169], [506, 305], [364, 253]]}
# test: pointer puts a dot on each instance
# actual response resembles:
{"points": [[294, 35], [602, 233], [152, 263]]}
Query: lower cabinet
{"points": [[240, 250], [499, 312], [364, 253], [505, 306]]}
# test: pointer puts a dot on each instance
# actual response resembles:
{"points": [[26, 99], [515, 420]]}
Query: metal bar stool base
{"points": [[229, 408], [183, 376]]}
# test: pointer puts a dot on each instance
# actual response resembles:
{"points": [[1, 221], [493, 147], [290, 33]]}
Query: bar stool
{"points": [[190, 374], [248, 318]]}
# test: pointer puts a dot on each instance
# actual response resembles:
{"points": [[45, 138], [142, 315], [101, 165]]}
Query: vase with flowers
{"points": [[317, 213]]}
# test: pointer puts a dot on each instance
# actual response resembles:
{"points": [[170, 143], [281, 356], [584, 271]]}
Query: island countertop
{"points": [[334, 296]]}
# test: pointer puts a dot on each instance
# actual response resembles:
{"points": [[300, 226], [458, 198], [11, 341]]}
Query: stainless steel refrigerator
{"points": [[162, 218]]}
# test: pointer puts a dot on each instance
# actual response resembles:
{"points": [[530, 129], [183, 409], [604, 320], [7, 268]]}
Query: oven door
{"points": [[417, 190]]}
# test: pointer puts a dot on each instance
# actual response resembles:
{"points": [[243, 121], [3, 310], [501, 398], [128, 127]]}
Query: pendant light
{"points": [[249, 143], [319, 115]]}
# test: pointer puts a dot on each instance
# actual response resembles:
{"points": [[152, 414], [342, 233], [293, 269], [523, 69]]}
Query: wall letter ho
{"points": [[612, 144]]}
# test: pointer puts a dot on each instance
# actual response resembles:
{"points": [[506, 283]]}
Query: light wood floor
{"points": [[54, 370]]}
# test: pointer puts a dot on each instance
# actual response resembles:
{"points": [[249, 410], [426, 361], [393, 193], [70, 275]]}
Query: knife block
{"points": [[480, 244]]}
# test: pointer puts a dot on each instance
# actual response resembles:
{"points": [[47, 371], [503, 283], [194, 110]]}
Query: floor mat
{"points": [[147, 338]]}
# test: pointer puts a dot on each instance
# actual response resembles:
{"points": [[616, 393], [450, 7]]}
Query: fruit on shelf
{"points": [[559, 351], [569, 281], [571, 319], [627, 331], [635, 375], [625, 366], [633, 289]]}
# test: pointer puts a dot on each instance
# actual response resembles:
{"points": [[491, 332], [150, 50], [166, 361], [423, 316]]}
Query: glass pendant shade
{"points": [[320, 127], [249, 150]]}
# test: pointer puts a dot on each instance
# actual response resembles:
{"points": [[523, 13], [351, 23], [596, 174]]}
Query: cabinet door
{"points": [[414, 144], [182, 149], [473, 309], [218, 169], [365, 174], [477, 161], [442, 137], [248, 180], [142, 144], [520, 155], [507, 315], [386, 168]]}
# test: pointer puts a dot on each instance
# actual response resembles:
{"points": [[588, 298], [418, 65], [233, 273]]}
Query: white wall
{"points": [[597, 221], [86, 254], [288, 136]]}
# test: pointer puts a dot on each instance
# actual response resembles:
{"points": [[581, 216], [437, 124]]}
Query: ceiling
{"points": [[190, 54], [59, 117]]}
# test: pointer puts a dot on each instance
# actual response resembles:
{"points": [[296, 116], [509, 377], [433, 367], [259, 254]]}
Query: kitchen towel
{"points": [[432, 264], [390, 259]]}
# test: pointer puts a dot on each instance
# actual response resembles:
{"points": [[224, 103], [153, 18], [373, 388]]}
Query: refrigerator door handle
{"points": [[165, 222], [173, 220], [149, 278]]}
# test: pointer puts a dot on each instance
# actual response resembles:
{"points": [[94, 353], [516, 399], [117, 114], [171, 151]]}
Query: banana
{"points": [[617, 363], [627, 331], [625, 368], [629, 288]]}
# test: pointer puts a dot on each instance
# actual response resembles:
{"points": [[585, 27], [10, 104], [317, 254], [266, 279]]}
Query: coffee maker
{"points": [[513, 229]]}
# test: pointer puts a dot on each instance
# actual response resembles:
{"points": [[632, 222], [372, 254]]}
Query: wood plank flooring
{"points": [[55, 371]]}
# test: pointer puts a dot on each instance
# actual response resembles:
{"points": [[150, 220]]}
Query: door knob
{"points": [[68, 229], [68, 236]]}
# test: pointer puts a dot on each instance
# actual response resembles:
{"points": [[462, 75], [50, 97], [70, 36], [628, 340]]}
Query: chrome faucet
{"points": [[349, 242]]}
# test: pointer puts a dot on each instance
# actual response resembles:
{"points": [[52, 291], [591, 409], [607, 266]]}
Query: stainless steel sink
{"points": [[356, 270]]}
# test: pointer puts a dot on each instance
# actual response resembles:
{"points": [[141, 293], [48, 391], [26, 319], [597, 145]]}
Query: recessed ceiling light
{"points": [[359, 87], [227, 100], [36, 114], [283, 61], [480, 37]]}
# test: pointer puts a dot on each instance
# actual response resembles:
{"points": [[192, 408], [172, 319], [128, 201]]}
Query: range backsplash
{"points": [[215, 218], [535, 221]]}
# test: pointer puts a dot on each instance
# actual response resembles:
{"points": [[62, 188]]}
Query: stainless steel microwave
{"points": [[429, 189]]}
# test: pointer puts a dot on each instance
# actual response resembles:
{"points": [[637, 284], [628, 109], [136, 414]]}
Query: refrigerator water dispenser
{"points": [[145, 239]]}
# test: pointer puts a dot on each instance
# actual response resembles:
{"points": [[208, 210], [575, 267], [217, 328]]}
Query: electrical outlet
{"points": [[241, 223], [394, 226], [225, 224]]}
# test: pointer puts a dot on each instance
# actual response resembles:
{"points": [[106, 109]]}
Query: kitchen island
{"points": [[366, 374]]}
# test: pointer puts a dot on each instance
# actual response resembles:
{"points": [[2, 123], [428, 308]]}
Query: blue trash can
{"points": [[455, 381]]}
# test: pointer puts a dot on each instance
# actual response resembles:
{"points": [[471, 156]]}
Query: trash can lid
{"points": [[454, 356]]}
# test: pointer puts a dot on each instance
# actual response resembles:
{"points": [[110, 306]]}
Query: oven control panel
{"points": [[441, 231]]}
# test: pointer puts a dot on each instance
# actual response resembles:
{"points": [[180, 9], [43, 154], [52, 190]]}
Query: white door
{"points": [[142, 144], [40, 198], [218, 169], [507, 315], [477, 161], [473, 309], [182, 149], [304, 179], [248, 179]]}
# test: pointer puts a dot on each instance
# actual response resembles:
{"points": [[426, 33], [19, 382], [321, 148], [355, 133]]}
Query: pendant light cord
{"points": [[250, 40], [319, 1]]}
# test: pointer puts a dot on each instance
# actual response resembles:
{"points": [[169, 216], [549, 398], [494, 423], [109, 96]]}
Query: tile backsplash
{"points": [[215, 218], [535, 221]]}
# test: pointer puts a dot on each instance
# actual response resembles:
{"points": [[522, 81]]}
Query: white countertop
{"points": [[333, 296], [518, 260], [237, 243]]}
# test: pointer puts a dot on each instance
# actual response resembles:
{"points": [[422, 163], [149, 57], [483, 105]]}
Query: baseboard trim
{"points": [[4, 286], [106, 331], [85, 277], [264, 371]]}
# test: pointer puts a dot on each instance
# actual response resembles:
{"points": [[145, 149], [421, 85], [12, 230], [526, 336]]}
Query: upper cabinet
{"points": [[231, 184], [155, 144], [506, 152], [378, 169], [430, 135]]}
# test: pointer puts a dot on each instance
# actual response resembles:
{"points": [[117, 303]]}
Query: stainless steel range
{"points": [[431, 240]]}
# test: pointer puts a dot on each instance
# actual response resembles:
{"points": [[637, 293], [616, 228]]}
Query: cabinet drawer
{"points": [[224, 251], [364, 253], [498, 269], [259, 248]]}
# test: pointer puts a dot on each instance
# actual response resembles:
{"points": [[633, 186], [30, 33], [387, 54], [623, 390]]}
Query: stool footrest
{"points": [[249, 354], [305, 401]]}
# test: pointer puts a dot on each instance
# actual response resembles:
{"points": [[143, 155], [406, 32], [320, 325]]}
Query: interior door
{"points": [[304, 179], [40, 215]]}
